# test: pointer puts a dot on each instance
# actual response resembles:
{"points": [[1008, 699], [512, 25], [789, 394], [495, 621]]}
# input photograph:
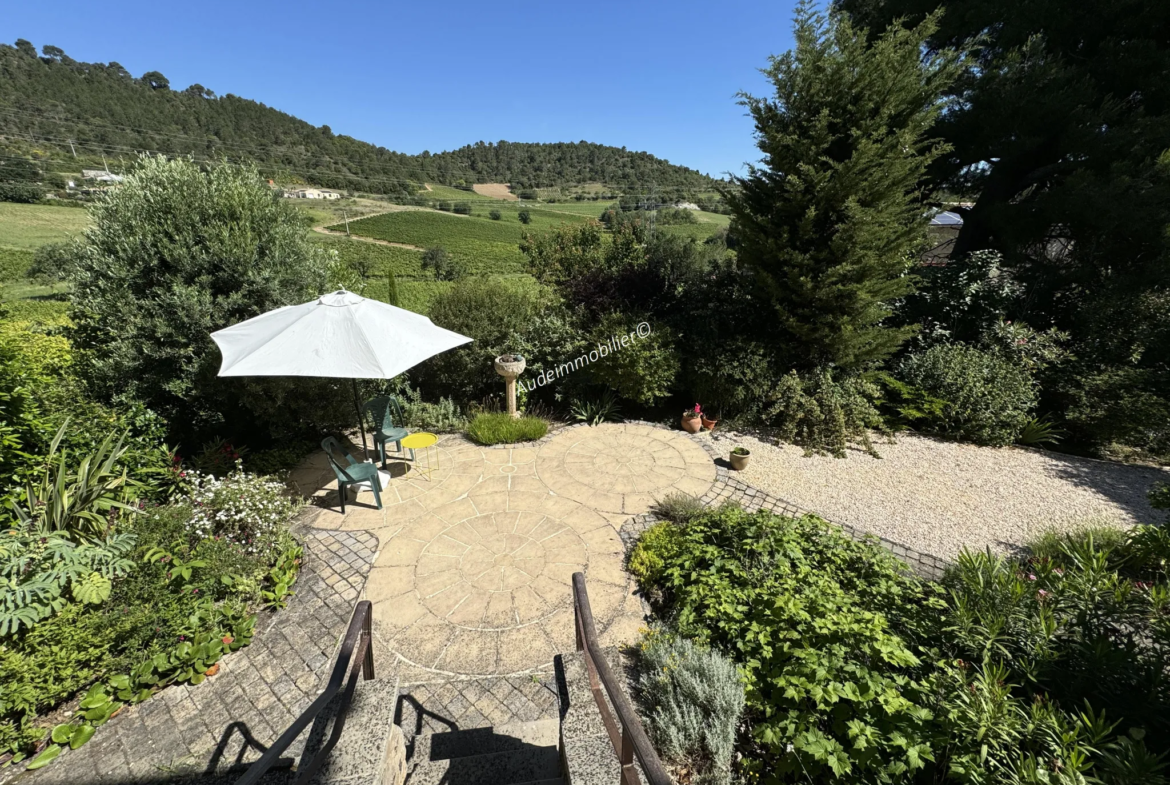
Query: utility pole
{"points": [[105, 164], [71, 148], [346, 216]]}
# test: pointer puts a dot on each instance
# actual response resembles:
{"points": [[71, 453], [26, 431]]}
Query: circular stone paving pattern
{"points": [[480, 573], [624, 468]]}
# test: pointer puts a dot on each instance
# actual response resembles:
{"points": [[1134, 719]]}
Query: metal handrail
{"points": [[356, 655], [630, 739]]}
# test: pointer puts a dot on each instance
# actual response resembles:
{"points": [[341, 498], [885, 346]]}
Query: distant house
{"points": [[310, 193], [100, 175]]}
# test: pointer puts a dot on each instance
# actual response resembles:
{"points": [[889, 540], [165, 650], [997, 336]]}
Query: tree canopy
{"points": [[830, 220]]}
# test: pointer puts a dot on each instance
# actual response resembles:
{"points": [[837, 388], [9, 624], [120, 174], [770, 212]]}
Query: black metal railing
{"points": [[625, 731], [356, 656]]}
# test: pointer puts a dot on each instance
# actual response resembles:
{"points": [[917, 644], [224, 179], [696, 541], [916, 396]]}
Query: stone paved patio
{"points": [[474, 572]]}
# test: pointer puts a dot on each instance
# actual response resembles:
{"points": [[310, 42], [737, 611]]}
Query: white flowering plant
{"points": [[247, 510]]}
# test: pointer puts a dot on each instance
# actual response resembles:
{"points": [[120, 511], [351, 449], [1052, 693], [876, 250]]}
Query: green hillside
{"points": [[50, 100]]}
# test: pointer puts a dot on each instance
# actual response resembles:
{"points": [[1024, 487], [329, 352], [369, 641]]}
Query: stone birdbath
{"points": [[510, 366]]}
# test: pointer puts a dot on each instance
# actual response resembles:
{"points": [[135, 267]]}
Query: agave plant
{"points": [[78, 502], [1039, 430], [596, 411]]}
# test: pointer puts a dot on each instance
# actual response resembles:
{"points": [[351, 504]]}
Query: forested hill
{"points": [[48, 100]]}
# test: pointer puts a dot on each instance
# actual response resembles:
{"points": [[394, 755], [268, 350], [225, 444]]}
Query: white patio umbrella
{"points": [[339, 335]]}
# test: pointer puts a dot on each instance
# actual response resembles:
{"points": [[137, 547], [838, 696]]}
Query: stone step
{"points": [[529, 765], [483, 741], [491, 701], [371, 748]]}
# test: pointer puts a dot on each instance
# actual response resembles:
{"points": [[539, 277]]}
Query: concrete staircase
{"points": [[512, 754], [490, 731]]}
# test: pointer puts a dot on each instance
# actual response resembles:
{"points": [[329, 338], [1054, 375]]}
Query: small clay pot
{"points": [[739, 461], [692, 424], [709, 424]]}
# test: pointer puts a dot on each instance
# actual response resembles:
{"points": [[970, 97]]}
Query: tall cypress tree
{"points": [[831, 218]]}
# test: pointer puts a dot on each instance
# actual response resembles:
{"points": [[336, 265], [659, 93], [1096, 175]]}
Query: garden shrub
{"points": [[442, 416], [655, 550], [175, 253], [823, 414], [502, 428], [185, 597], [1080, 627], [692, 699], [1123, 412], [496, 315], [822, 628], [461, 208], [989, 397], [669, 216], [678, 507], [524, 216], [641, 369], [495, 215]]}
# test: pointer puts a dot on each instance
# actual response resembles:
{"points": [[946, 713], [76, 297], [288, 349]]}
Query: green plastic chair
{"points": [[385, 411], [352, 472]]}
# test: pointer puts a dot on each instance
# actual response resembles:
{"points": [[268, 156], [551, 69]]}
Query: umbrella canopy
{"points": [[338, 335]]}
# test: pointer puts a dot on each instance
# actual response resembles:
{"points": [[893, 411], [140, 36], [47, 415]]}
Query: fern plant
{"points": [[36, 571]]}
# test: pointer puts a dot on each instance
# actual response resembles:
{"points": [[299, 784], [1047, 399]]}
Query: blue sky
{"points": [[437, 75]]}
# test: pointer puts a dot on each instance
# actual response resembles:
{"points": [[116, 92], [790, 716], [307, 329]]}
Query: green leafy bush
{"points": [[692, 699], [40, 573], [640, 369], [496, 315], [525, 217], [823, 414], [503, 428], [821, 627], [495, 215], [442, 416], [82, 501], [1081, 626], [989, 398], [461, 208], [175, 253], [656, 549]]}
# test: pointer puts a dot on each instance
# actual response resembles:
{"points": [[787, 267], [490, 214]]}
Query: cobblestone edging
{"points": [[192, 731], [729, 488]]}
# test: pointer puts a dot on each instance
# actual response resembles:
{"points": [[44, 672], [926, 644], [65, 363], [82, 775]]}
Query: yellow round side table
{"points": [[422, 441]]}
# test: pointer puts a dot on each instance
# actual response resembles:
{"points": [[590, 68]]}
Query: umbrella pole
{"points": [[357, 406]]}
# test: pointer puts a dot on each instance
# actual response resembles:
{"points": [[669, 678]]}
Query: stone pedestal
{"points": [[510, 366]]}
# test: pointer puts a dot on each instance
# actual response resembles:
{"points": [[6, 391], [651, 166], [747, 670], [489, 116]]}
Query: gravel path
{"points": [[938, 496]]}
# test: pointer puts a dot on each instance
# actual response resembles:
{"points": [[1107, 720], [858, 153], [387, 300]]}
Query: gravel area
{"points": [[938, 496]]}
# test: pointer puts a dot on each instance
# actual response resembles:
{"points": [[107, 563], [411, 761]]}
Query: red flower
{"points": [[228, 639]]}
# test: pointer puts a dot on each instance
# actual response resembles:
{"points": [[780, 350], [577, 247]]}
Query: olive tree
{"points": [[177, 252]]}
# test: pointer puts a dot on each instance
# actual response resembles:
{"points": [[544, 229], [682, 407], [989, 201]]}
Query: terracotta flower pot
{"points": [[692, 424], [709, 424], [739, 461]]}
